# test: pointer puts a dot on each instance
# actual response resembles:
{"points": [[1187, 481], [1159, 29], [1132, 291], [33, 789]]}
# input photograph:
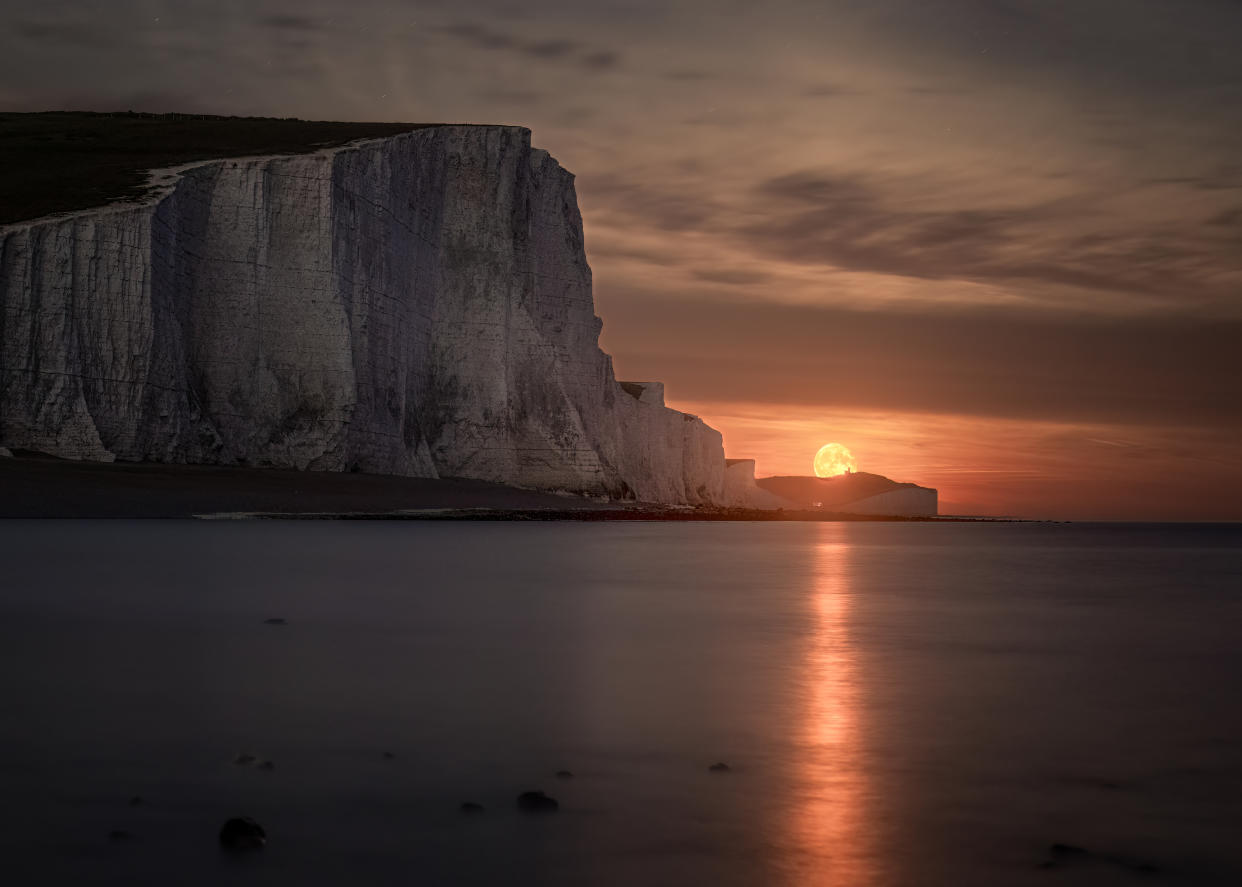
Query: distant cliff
{"points": [[418, 304], [856, 493]]}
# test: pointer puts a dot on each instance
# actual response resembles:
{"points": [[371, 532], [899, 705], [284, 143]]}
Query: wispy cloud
{"points": [[563, 50]]}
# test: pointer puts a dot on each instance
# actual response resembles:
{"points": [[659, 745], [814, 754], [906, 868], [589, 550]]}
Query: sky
{"points": [[992, 246]]}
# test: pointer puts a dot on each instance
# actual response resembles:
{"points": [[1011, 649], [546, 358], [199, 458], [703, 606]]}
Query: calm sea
{"points": [[898, 704]]}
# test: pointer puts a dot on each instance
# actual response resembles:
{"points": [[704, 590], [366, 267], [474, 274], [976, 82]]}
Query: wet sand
{"points": [[41, 487]]}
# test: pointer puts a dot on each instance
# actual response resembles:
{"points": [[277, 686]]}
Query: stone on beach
{"points": [[537, 802], [242, 833]]}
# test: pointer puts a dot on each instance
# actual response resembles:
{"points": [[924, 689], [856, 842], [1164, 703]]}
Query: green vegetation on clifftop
{"points": [[63, 161]]}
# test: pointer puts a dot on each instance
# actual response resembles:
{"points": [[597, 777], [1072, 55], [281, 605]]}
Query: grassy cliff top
{"points": [[62, 161]]}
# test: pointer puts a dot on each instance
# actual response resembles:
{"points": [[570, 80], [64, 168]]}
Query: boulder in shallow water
{"points": [[242, 833], [537, 802]]}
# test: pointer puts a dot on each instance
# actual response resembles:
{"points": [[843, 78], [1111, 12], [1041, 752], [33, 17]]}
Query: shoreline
{"points": [[34, 486], [622, 512]]}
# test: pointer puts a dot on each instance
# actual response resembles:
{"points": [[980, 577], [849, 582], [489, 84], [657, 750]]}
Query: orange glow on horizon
{"points": [[1001, 466]]}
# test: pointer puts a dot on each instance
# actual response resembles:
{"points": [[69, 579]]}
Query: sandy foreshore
{"points": [[40, 487]]}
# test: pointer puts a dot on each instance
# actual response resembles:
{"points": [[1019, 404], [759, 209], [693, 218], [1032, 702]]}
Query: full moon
{"points": [[833, 459]]}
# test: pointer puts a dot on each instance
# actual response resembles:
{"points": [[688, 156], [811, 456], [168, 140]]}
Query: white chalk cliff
{"points": [[418, 305]]}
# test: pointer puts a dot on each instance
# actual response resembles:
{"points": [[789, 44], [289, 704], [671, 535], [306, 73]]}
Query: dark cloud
{"points": [[479, 36], [550, 49], [1230, 218], [1164, 47], [605, 250], [858, 224], [600, 61], [554, 50], [65, 33], [657, 207], [731, 276], [1229, 180], [291, 23]]}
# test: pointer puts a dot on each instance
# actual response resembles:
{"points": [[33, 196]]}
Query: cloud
{"points": [[689, 75], [1230, 218], [479, 36], [865, 223], [512, 96], [553, 50], [829, 91], [731, 276], [601, 60], [550, 49], [76, 34], [937, 90], [290, 23], [1016, 364], [655, 207]]}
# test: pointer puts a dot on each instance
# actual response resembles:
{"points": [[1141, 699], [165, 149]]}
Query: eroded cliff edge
{"points": [[417, 305]]}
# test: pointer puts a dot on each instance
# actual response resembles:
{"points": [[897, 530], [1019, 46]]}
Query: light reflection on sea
{"points": [[898, 703], [829, 828]]}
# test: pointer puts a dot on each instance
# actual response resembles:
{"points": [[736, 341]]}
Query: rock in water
{"points": [[537, 802], [242, 833], [426, 311]]}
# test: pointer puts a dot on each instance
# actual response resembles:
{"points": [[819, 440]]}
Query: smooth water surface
{"points": [[899, 704]]}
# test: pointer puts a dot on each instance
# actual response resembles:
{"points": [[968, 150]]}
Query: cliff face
{"points": [[416, 305]]}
